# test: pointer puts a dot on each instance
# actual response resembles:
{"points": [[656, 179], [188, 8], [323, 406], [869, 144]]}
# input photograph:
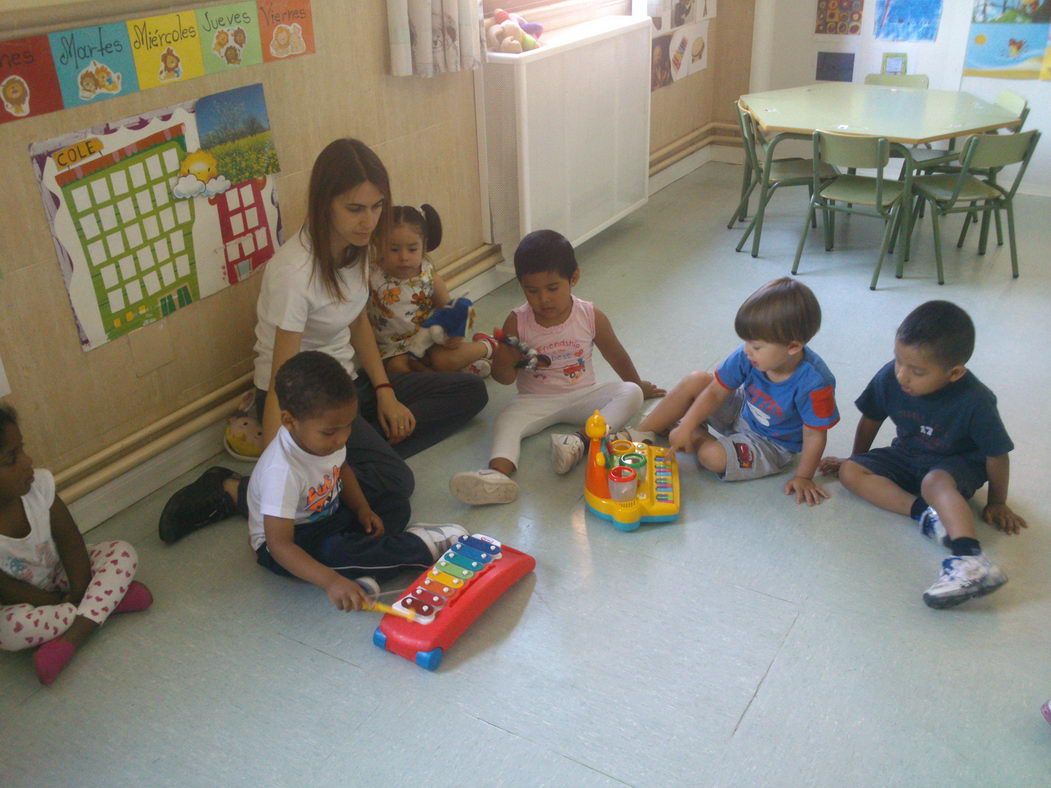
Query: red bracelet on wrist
{"points": [[378, 386]]}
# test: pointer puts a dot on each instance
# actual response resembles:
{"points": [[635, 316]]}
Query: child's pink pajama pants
{"points": [[113, 566]]}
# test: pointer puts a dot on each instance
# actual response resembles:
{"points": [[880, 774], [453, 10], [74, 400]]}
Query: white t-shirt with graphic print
{"points": [[291, 483], [34, 558]]}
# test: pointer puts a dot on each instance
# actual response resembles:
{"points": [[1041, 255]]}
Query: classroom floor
{"points": [[752, 643]]}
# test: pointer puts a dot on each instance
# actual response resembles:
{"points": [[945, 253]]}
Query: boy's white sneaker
{"points": [[369, 584], [482, 367], [635, 436], [931, 527], [566, 451], [482, 487], [964, 577], [438, 537]]}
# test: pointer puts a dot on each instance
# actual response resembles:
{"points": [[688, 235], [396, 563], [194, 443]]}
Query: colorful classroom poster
{"points": [[840, 17], [134, 242], [685, 50], [908, 20], [229, 36], [1008, 39], [286, 28], [166, 48], [93, 63], [28, 85]]}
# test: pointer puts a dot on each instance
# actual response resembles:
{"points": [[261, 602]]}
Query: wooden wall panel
{"points": [[694, 101], [73, 404]]}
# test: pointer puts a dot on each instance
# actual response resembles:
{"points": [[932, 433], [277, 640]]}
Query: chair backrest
{"points": [[847, 150], [899, 80], [749, 136], [995, 151], [1015, 104]]}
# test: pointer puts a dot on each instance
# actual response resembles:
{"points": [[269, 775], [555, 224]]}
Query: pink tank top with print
{"points": [[568, 345]]}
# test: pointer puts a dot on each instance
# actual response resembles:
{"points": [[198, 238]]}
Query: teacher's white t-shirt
{"points": [[294, 298]]}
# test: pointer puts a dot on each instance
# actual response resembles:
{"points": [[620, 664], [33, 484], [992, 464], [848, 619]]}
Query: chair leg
{"points": [[937, 243], [890, 225], [1011, 238], [999, 228], [983, 236], [904, 219], [967, 219], [802, 238], [830, 228], [810, 191], [757, 222], [742, 207]]}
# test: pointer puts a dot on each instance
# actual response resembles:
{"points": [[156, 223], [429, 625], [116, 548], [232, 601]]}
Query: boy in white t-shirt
{"points": [[307, 514]]}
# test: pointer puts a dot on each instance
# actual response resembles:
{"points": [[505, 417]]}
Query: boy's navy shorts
{"points": [[908, 474]]}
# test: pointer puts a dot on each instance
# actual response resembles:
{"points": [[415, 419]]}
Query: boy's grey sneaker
{"points": [[931, 527], [482, 487], [369, 585], [438, 537], [196, 505], [566, 451], [964, 577]]}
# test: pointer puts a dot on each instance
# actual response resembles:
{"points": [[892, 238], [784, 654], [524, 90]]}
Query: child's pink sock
{"points": [[50, 658], [137, 598]]}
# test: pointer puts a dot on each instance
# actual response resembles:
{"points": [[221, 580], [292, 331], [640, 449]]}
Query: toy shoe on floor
{"points": [[243, 437]]}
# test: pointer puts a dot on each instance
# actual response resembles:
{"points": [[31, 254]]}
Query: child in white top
{"points": [[54, 590], [563, 329], [406, 290], [307, 514]]}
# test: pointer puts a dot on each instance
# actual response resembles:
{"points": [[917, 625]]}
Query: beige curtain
{"points": [[429, 37]]}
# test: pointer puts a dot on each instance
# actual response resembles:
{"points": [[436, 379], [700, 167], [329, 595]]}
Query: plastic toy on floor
{"points": [[243, 436], [629, 483], [531, 359], [448, 597], [452, 320]]}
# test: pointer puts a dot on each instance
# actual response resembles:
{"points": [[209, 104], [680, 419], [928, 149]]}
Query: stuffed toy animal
{"points": [[511, 33], [531, 359], [453, 320]]}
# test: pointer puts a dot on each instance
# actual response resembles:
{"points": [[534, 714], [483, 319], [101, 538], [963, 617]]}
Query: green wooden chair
{"points": [[769, 175], [857, 194], [962, 192], [899, 80], [1010, 101]]}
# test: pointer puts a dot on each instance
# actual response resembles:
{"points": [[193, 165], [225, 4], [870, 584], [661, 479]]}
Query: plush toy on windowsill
{"points": [[453, 320], [510, 33]]}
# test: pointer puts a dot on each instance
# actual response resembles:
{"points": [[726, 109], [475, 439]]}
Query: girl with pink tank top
{"points": [[563, 329]]}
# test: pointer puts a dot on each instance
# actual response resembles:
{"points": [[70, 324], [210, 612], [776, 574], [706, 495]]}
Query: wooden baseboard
{"points": [[714, 133]]}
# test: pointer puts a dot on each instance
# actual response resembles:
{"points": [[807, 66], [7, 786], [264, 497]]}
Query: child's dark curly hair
{"points": [[424, 221], [312, 382], [941, 329], [781, 312], [545, 250]]}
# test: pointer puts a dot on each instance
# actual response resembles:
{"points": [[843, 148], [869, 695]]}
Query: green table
{"points": [[907, 115]]}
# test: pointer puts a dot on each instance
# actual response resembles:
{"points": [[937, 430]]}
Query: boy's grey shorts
{"points": [[748, 454]]}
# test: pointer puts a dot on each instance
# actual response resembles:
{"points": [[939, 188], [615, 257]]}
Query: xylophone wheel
{"points": [[429, 660], [379, 639]]}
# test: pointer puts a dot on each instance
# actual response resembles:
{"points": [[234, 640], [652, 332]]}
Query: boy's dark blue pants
{"points": [[337, 541]]}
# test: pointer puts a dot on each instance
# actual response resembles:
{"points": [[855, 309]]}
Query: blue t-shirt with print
{"points": [[960, 419], [779, 411]]}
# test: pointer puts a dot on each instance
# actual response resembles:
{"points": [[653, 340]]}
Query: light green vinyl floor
{"points": [[752, 643]]}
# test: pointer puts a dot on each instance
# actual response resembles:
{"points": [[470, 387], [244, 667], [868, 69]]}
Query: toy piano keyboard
{"points": [[449, 596], [654, 496]]}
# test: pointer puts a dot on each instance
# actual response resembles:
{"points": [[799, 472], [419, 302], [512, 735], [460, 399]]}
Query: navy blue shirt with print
{"points": [[779, 411], [960, 419]]}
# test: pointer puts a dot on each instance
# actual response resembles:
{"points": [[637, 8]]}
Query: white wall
{"points": [[785, 47]]}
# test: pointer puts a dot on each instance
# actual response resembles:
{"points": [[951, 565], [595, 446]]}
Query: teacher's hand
{"points": [[396, 420]]}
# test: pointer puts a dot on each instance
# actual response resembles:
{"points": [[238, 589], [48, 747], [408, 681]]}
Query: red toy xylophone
{"points": [[449, 596]]}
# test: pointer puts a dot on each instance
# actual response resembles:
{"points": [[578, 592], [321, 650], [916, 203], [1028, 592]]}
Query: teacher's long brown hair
{"points": [[343, 165]]}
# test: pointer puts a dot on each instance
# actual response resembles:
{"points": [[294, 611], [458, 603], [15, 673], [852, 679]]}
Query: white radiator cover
{"points": [[568, 130]]}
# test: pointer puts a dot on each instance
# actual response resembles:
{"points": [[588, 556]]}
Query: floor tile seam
{"points": [[560, 754], [320, 650], [769, 667]]}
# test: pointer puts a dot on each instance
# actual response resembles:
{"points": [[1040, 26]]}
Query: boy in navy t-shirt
{"points": [[769, 400], [950, 441]]}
